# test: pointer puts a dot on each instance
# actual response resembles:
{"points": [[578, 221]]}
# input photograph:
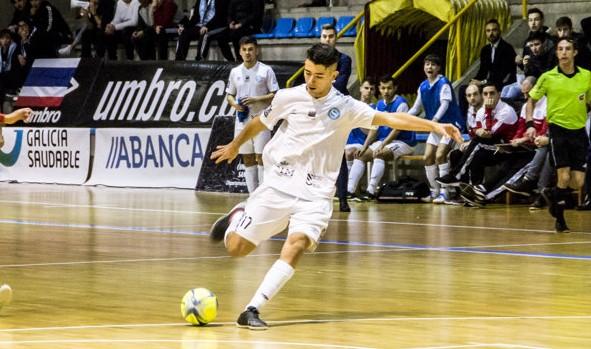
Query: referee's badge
{"points": [[334, 113]]}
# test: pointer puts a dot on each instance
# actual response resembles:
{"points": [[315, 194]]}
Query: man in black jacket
{"points": [[243, 16], [497, 59]]}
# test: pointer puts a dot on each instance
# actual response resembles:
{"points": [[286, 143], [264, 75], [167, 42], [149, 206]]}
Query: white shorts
{"points": [[398, 148], [255, 145], [269, 211], [436, 140], [355, 146]]}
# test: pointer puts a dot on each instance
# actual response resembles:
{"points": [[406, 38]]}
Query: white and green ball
{"points": [[199, 306]]}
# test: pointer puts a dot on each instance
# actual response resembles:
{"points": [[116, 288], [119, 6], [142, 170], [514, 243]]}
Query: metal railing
{"points": [[349, 25]]}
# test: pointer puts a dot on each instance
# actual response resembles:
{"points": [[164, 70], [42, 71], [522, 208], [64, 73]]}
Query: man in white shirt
{"points": [[302, 165], [122, 27], [251, 87]]}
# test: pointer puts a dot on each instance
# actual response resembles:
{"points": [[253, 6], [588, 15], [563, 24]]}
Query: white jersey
{"points": [[256, 81], [304, 157], [539, 113]]}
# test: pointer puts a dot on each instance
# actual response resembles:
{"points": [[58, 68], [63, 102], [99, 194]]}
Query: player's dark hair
{"points": [[433, 58], [568, 39], [493, 21], [329, 26], [5, 32], [564, 22], [535, 10], [245, 40], [387, 78], [492, 84], [536, 36], [323, 54]]}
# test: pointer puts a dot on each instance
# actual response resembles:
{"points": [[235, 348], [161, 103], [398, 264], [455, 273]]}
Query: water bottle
{"points": [[242, 115]]}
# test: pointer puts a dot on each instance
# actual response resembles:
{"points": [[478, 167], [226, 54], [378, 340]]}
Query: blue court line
{"points": [[409, 247]]}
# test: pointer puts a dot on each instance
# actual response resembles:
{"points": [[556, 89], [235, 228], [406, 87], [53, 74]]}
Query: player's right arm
{"points": [[407, 122], [15, 116], [229, 151]]}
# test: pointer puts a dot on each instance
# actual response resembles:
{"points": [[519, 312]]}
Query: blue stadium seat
{"points": [[304, 28], [267, 28], [284, 28], [322, 21], [342, 22]]}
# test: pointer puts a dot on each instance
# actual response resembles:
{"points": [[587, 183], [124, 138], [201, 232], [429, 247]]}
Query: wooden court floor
{"points": [[96, 267]]}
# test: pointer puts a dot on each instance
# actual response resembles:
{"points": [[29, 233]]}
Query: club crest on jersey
{"points": [[334, 113]]}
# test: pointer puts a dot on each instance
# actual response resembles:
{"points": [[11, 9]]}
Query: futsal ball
{"points": [[199, 306]]}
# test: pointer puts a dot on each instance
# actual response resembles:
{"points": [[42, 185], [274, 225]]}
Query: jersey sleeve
{"points": [[272, 84], [361, 114], [231, 88], [274, 112], [445, 93], [402, 108], [539, 89]]}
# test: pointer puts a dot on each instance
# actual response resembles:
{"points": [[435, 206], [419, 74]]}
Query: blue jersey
{"points": [[408, 137], [357, 136], [430, 96]]}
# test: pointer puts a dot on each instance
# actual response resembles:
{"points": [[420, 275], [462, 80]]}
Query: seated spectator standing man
{"points": [[328, 35], [568, 91], [195, 29], [389, 145], [497, 59], [251, 87], [436, 97], [122, 27], [164, 13]]}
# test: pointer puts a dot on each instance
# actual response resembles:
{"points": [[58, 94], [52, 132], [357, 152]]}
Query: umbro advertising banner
{"points": [[95, 93], [48, 155], [149, 157]]}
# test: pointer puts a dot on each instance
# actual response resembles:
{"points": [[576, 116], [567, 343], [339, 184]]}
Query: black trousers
{"points": [[93, 37], [185, 38], [120, 36]]}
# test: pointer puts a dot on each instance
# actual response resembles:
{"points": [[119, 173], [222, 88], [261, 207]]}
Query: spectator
{"points": [[164, 14], [497, 59], [144, 35], [122, 27], [328, 36], [48, 19], [9, 65], [436, 97], [535, 21], [540, 60], [564, 29], [568, 90], [241, 21], [196, 28], [22, 10], [98, 15]]}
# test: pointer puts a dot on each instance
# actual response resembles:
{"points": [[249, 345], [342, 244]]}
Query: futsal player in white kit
{"points": [[251, 87], [302, 164]]}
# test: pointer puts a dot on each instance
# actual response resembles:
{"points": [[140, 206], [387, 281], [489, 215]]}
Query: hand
{"points": [[489, 102], [226, 153], [180, 30], [541, 141], [525, 60], [22, 60], [530, 133], [158, 29], [109, 29], [482, 133], [464, 146], [20, 114], [238, 107], [203, 31], [248, 100], [449, 130], [359, 152], [518, 141], [518, 59]]}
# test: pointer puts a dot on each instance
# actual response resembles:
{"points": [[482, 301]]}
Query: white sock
{"points": [[443, 169], [357, 171], [250, 175], [349, 165], [432, 172], [276, 277], [377, 172], [260, 173]]}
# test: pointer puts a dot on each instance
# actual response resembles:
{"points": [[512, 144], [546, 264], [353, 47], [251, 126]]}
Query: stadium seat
{"points": [[304, 28], [342, 22], [321, 22], [267, 28], [283, 28]]}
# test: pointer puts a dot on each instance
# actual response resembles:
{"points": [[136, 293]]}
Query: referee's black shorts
{"points": [[568, 147]]}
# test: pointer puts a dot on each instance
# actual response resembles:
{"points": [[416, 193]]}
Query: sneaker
{"points": [[454, 202], [5, 295], [561, 226], [586, 206], [65, 51], [250, 319], [344, 206], [353, 197], [448, 180], [440, 199], [367, 196], [468, 193], [538, 204], [523, 186], [480, 192], [218, 229]]}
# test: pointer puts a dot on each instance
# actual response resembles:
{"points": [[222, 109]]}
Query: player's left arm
{"points": [[15, 116], [229, 151], [407, 122]]}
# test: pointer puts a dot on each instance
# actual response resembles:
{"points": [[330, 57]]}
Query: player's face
{"points": [[366, 90], [431, 69], [536, 47], [387, 90], [328, 37], [535, 22], [565, 51], [319, 78], [492, 32], [248, 52], [473, 96]]}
